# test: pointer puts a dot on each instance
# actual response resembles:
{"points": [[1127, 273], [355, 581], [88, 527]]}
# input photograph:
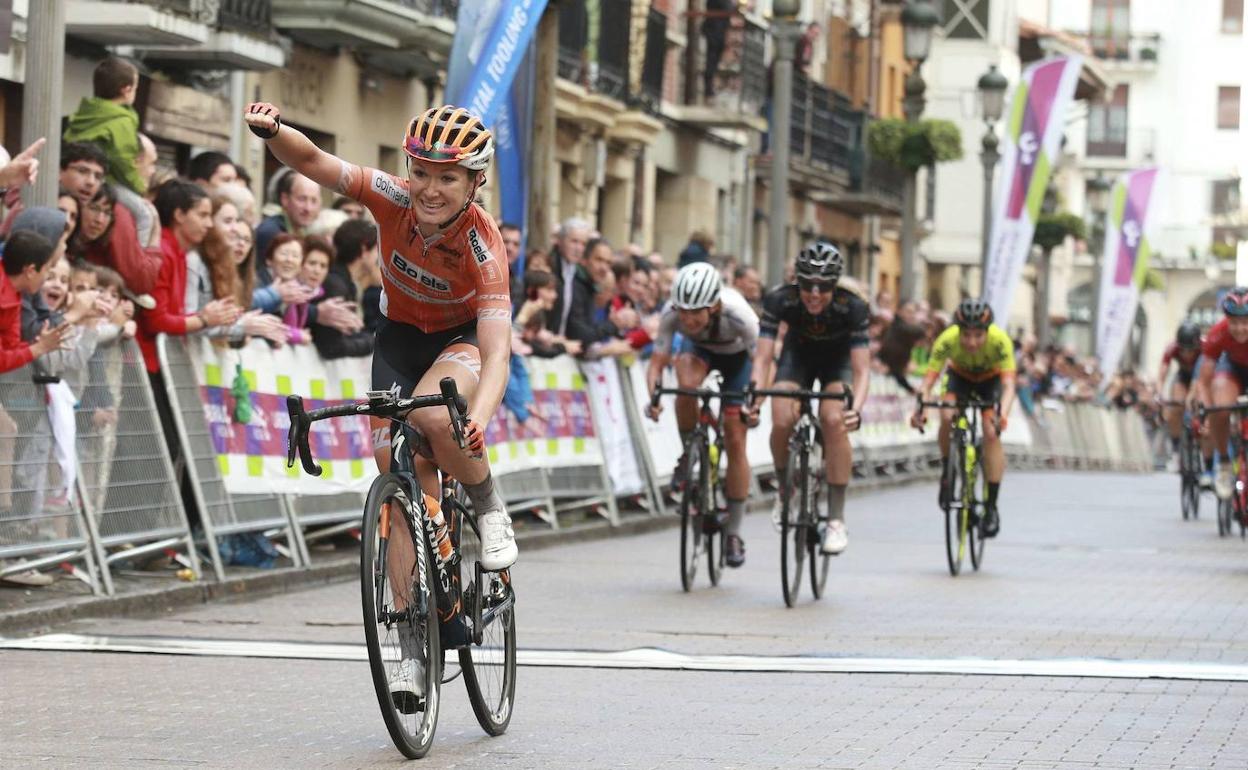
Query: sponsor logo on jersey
{"points": [[450, 257], [477, 244], [491, 273], [427, 280], [385, 186]]}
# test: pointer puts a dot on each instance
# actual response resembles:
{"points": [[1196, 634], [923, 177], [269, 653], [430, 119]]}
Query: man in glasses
{"points": [[825, 339]]}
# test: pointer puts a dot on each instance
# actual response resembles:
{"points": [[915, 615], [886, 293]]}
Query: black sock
{"points": [[1209, 463], [993, 488]]}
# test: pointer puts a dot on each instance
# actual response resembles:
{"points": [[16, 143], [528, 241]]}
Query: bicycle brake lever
{"points": [[298, 436], [456, 405]]}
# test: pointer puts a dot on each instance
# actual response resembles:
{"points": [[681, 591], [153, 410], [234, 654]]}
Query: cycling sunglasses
{"points": [[822, 287]]}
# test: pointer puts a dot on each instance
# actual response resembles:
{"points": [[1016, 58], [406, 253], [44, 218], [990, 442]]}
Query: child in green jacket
{"points": [[109, 120]]}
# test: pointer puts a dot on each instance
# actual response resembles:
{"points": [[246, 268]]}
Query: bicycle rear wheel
{"points": [[793, 524], [489, 666], [1189, 470], [955, 512], [820, 562], [692, 503], [399, 617], [1225, 511]]}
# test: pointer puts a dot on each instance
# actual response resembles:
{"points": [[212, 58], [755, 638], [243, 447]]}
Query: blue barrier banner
{"points": [[494, 66]]}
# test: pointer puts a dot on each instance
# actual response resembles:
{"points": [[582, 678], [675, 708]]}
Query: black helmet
{"points": [[1188, 336], [820, 261], [973, 313]]}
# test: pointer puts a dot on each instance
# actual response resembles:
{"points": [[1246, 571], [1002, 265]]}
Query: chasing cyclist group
{"points": [[814, 330], [1211, 371]]}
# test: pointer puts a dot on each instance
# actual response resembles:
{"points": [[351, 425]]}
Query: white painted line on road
{"points": [[651, 658]]}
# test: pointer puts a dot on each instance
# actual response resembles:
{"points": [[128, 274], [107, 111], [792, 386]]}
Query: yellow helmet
{"points": [[449, 134]]}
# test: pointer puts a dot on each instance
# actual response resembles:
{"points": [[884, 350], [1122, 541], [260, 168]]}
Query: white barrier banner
{"points": [[561, 431], [244, 394], [606, 398]]}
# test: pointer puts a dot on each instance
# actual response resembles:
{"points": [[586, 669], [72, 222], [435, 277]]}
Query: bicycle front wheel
{"points": [[692, 504], [489, 666], [400, 615], [956, 512], [793, 524]]}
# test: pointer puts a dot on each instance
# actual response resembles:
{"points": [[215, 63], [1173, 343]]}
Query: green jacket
{"points": [[115, 127]]}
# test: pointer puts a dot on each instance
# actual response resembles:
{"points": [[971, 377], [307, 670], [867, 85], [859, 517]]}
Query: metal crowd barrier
{"points": [[124, 502]]}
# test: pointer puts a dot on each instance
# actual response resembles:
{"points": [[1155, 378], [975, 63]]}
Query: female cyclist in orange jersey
{"points": [[446, 297]]}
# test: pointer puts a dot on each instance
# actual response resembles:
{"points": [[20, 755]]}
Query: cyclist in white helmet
{"points": [[826, 340], [718, 330]]}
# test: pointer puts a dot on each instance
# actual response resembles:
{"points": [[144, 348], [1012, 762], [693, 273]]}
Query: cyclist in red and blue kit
{"points": [[1224, 376]]}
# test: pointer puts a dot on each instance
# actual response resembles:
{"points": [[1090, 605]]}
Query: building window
{"points": [[1107, 126], [1225, 197], [1228, 107], [1111, 28], [966, 19], [1233, 17]]}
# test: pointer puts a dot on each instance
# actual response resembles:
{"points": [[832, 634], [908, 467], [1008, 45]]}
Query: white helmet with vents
{"points": [[697, 286]]}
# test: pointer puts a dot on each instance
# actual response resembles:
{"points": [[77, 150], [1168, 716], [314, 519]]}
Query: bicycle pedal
{"points": [[407, 703]]}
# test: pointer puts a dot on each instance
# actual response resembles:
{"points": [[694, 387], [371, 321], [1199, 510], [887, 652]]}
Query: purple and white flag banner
{"points": [[1124, 263], [1032, 138]]}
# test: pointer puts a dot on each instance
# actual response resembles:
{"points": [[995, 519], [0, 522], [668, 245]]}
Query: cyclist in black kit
{"points": [[826, 340]]}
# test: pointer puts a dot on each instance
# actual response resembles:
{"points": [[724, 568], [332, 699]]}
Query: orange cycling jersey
{"points": [[434, 283]]}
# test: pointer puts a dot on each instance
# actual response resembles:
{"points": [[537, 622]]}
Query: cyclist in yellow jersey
{"points": [[980, 356]]}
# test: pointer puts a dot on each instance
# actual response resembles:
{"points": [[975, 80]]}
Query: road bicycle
{"points": [[418, 605], [803, 519], [702, 502], [1234, 510], [965, 487], [1191, 462]]}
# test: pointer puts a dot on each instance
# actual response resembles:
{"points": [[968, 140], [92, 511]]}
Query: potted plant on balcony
{"points": [[914, 145], [1148, 53]]}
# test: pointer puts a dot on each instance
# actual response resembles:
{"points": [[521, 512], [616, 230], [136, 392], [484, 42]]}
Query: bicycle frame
{"points": [[387, 405]]}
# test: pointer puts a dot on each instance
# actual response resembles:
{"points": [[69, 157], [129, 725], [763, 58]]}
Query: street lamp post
{"points": [[784, 28], [1098, 203], [992, 85], [917, 18]]}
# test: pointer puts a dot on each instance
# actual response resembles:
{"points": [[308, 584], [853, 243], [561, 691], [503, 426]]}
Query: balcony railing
{"points": [[739, 82], [573, 39], [610, 69], [246, 15], [1113, 46], [1133, 144], [875, 178], [654, 63], [824, 127], [445, 9]]}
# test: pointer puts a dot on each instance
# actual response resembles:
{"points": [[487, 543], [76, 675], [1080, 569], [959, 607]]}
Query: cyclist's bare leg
{"points": [[737, 486], [1225, 391], [838, 455], [784, 414], [1174, 414], [946, 425], [994, 451], [690, 372], [435, 424]]}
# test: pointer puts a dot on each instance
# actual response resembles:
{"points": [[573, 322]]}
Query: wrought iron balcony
{"points": [[255, 16], [1122, 48], [599, 63], [654, 64], [824, 126]]}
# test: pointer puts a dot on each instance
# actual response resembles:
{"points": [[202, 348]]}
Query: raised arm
{"points": [[294, 149]]}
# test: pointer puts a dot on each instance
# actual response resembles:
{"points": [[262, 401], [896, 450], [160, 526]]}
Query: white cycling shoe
{"points": [[498, 541], [835, 539], [407, 686]]}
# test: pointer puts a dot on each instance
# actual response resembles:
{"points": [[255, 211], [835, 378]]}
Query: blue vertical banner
{"points": [[491, 73]]}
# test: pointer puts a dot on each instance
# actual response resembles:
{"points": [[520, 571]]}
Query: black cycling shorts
{"points": [[988, 390], [805, 365], [403, 353]]}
